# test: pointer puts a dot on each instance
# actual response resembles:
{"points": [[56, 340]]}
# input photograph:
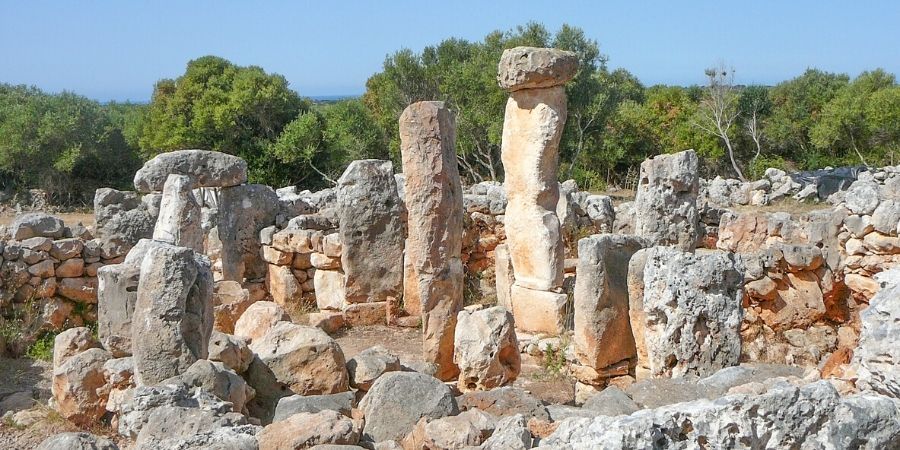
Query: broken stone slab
{"points": [[76, 441], [342, 402], [206, 169], [486, 349], [539, 311], [309, 430], [532, 67]]}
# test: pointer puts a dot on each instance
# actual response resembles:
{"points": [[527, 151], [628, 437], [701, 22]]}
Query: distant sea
{"points": [[330, 98]]}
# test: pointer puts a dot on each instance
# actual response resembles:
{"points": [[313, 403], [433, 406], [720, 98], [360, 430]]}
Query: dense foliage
{"points": [[69, 145]]}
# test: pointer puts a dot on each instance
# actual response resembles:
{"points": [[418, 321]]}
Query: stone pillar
{"points": [[692, 311], [173, 316], [532, 128], [435, 206], [603, 336], [665, 207], [372, 228], [179, 215], [243, 211]]}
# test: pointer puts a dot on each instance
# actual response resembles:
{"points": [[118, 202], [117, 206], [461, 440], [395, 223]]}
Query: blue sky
{"points": [[118, 49]]}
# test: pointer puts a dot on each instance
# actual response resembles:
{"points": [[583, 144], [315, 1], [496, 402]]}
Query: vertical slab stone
{"points": [[116, 296], [243, 211], [693, 312], [179, 215], [603, 334], [538, 311], [372, 230], [504, 276], [665, 207], [173, 316], [434, 201]]}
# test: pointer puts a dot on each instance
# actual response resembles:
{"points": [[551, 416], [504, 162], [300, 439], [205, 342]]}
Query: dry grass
{"points": [[788, 205]]}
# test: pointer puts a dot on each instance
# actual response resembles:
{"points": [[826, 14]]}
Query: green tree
{"points": [[217, 105], [883, 117]]}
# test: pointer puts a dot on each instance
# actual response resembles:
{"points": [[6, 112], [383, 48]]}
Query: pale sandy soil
{"points": [[86, 218]]}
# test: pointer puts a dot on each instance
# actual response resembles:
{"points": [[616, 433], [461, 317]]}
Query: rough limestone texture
{"points": [[504, 275], [258, 319], [306, 430], [537, 311], [231, 351], [372, 230], [665, 207], [79, 387], [397, 401], [218, 380], [434, 201], [809, 417], [36, 224], [244, 211], [692, 311], [294, 359], [603, 334], [76, 441], [288, 406], [531, 67], [532, 129], [72, 342], [511, 433], [877, 356], [173, 316], [206, 169], [370, 364], [122, 218], [179, 215], [486, 349]]}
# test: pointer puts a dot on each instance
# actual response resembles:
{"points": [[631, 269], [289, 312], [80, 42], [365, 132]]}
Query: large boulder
{"points": [[511, 433], [36, 224], [179, 215], [122, 218], [603, 334], [397, 401], [76, 441], [144, 400], [258, 319], [305, 430], [531, 67], [812, 416], [218, 380], [486, 349], [372, 230], [342, 402], [72, 342], [433, 197], [877, 356], [187, 428], [173, 316], [370, 364], [665, 207], [294, 359], [505, 401], [231, 351], [79, 387], [692, 311], [206, 169]]}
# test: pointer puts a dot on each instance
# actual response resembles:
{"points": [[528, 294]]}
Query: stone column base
{"points": [[538, 311]]}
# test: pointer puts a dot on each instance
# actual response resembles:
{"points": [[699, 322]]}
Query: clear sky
{"points": [[118, 49]]}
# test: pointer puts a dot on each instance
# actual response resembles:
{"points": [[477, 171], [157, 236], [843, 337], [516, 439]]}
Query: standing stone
{"points": [[693, 312], [206, 169], [244, 211], [179, 215], [603, 334], [434, 201], [487, 350], [504, 275], [173, 316], [665, 208], [532, 128], [877, 358], [372, 228]]}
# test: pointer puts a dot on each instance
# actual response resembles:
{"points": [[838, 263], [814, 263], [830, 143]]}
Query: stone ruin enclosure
{"points": [[196, 280]]}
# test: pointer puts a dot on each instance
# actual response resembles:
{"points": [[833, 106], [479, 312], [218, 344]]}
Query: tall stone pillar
{"points": [[179, 215], [434, 204], [665, 206], [532, 128]]}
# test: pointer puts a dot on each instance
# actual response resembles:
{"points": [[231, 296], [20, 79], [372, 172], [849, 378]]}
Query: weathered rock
{"points": [[38, 224], [244, 211], [330, 292], [283, 285], [230, 301], [328, 321], [116, 297], [599, 209], [64, 249], [665, 208], [187, 428], [288, 406], [812, 416], [504, 275], [231, 351], [886, 217], [453, 432], [70, 268], [692, 307], [258, 319], [121, 219], [76, 441], [79, 387], [504, 401], [537, 311], [532, 129], [531, 67], [486, 349], [397, 401], [603, 334], [372, 229], [294, 359], [511, 433], [119, 374], [862, 197], [81, 290], [216, 379], [145, 400], [611, 402], [433, 198], [72, 342], [370, 364], [304, 430], [205, 168], [173, 316], [877, 356], [179, 215]]}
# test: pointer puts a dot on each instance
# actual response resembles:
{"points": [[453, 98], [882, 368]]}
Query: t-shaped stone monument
{"points": [[532, 128]]}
